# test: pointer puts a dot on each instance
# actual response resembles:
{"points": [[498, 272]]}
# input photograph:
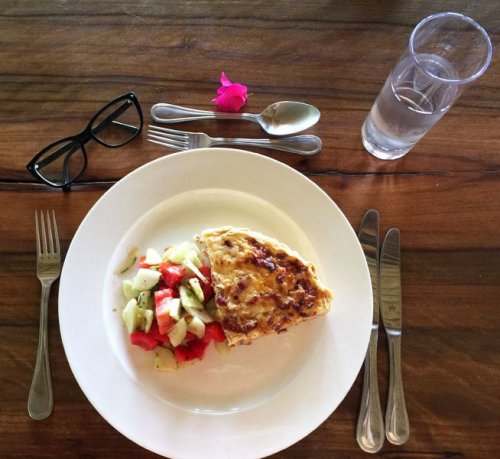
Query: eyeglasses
{"points": [[63, 162]]}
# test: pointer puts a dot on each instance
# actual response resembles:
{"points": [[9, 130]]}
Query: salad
{"points": [[170, 308]]}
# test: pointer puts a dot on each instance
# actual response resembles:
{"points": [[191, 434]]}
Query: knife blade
{"points": [[397, 426], [370, 426]]}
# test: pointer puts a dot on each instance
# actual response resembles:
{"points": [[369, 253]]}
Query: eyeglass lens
{"points": [[117, 124], [61, 163]]}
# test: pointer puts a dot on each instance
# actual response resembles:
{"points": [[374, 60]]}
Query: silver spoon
{"points": [[280, 118]]}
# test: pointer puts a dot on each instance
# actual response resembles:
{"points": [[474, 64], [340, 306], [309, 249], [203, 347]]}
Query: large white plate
{"points": [[261, 398]]}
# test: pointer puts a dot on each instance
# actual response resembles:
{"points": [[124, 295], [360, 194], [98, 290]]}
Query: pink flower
{"points": [[231, 96]]}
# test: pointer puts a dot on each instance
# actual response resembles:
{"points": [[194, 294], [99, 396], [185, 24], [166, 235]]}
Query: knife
{"points": [[397, 425], [370, 426]]}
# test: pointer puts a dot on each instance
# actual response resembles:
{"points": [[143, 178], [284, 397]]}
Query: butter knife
{"points": [[370, 425], [397, 425]]}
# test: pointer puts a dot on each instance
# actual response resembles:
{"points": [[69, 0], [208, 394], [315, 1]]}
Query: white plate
{"points": [[259, 399]]}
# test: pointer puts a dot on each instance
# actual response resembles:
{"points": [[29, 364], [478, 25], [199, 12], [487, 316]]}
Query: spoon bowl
{"points": [[280, 118]]}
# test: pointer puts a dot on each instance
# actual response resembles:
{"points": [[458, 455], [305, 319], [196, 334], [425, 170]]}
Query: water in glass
{"points": [[413, 98]]}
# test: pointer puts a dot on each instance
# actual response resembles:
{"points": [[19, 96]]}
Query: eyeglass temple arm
{"points": [[70, 148], [111, 118]]}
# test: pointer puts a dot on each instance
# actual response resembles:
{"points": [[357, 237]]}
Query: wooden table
{"points": [[61, 61]]}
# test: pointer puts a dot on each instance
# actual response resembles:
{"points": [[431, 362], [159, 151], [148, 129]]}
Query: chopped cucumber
{"points": [[131, 315], [222, 347], [203, 315], [145, 299], [145, 279], [193, 257], [174, 309], [188, 298], [152, 257], [192, 267], [147, 315], [128, 291], [197, 290], [177, 254], [196, 326], [165, 360], [178, 332]]}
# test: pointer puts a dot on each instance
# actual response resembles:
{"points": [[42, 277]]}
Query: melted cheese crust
{"points": [[261, 285]]}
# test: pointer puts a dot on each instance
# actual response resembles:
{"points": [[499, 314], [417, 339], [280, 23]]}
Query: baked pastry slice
{"points": [[261, 285]]}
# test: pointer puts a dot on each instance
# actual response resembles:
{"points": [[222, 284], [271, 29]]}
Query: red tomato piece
{"points": [[143, 340], [198, 347], [163, 293], [190, 336], [214, 332], [162, 303], [208, 291], [172, 274], [154, 332], [183, 353]]}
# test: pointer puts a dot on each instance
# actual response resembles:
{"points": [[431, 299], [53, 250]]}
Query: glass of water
{"points": [[446, 52]]}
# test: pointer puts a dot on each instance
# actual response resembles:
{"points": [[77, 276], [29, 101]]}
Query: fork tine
{"points": [[56, 233], [49, 231], [171, 131], [37, 230], [173, 141], [168, 134], [165, 144], [44, 234]]}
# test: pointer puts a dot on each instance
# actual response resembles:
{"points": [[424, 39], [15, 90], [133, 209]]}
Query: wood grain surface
{"points": [[60, 61]]}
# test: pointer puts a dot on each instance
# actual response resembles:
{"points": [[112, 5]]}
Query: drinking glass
{"points": [[446, 52]]}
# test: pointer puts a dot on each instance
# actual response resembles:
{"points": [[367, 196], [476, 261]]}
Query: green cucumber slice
{"points": [[196, 326], [188, 298], [145, 279], [152, 257], [128, 290], [196, 288], [178, 332], [131, 315]]}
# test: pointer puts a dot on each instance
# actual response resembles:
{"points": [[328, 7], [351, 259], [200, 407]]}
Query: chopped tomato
{"points": [[190, 336], [172, 274], [144, 340], [198, 347], [214, 332], [163, 293], [162, 303], [142, 264], [154, 332], [183, 353]]}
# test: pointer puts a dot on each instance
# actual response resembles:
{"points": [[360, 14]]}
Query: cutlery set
{"points": [[385, 275], [279, 119]]}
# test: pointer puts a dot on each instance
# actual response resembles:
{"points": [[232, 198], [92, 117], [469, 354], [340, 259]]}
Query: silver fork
{"points": [[183, 140], [48, 266]]}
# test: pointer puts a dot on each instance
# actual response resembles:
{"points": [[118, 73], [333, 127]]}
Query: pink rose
{"points": [[231, 96]]}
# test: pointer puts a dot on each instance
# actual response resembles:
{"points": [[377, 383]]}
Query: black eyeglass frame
{"points": [[84, 137]]}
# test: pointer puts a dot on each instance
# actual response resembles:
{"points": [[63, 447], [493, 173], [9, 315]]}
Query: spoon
{"points": [[280, 118]]}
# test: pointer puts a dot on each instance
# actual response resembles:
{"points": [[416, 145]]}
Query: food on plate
{"points": [[261, 285], [228, 286], [170, 308]]}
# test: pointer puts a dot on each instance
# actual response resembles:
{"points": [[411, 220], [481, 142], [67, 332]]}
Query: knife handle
{"points": [[370, 426], [397, 424]]}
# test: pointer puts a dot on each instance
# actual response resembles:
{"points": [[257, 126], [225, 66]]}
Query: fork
{"points": [[48, 265], [183, 140]]}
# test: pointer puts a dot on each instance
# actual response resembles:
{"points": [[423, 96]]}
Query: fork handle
{"points": [[169, 113], [41, 400], [370, 425], [397, 424], [299, 144]]}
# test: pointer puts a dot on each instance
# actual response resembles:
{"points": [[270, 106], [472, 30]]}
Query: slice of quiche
{"points": [[261, 285]]}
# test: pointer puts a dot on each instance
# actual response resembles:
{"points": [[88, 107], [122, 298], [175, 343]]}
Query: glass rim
{"points": [[465, 18]]}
